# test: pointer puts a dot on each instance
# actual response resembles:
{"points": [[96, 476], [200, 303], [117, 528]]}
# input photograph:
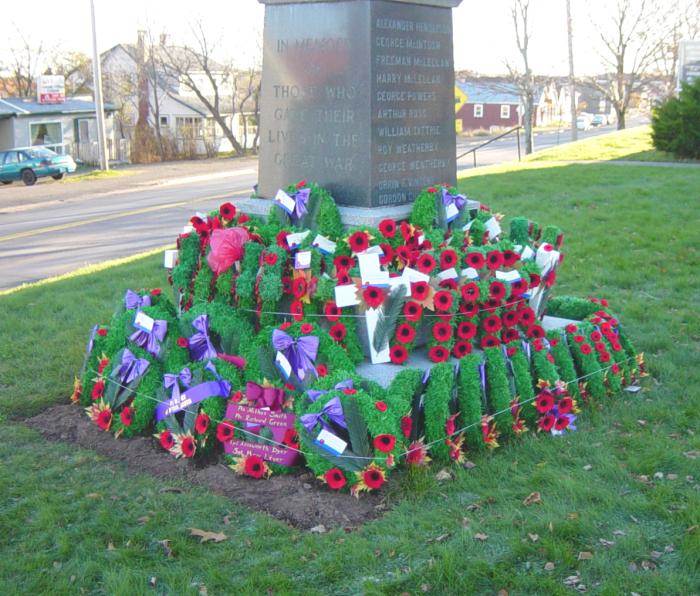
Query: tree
{"points": [[630, 46], [23, 64], [524, 80], [676, 123], [572, 79], [76, 67]]}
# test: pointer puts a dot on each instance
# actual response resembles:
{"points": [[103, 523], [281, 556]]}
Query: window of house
{"points": [[478, 110], [505, 111], [189, 127], [45, 133], [164, 121]]}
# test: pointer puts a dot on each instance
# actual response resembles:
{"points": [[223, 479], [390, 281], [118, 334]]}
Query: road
{"points": [[51, 228]]}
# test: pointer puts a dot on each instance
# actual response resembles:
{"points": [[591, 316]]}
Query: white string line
{"points": [[380, 458]]}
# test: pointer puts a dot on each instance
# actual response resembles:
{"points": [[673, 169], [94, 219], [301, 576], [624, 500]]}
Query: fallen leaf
{"points": [[572, 580], [669, 548], [166, 548], [691, 529], [319, 529], [93, 495], [588, 467], [532, 498], [659, 475], [469, 465], [573, 515], [473, 507], [481, 536], [549, 566], [633, 567], [618, 533], [425, 588], [110, 546], [465, 522], [152, 581], [672, 476], [203, 590], [170, 489], [443, 475], [648, 565], [634, 519], [57, 564], [206, 536], [533, 537], [440, 538], [691, 454], [655, 554], [605, 542], [227, 519], [642, 422], [143, 519], [585, 555], [502, 592]]}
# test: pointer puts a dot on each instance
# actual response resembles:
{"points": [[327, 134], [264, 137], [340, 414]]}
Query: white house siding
{"points": [[7, 134]]}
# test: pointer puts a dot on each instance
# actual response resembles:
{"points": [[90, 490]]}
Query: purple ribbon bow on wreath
{"points": [[133, 300], [264, 397], [131, 367], [150, 340], [224, 385], [301, 198], [184, 377], [314, 394], [300, 352], [459, 201], [333, 412], [201, 347]]}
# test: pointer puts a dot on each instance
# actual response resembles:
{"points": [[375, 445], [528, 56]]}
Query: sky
{"points": [[483, 30]]}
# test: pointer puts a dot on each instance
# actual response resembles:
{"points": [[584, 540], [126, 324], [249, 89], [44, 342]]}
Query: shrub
{"points": [[676, 123]]}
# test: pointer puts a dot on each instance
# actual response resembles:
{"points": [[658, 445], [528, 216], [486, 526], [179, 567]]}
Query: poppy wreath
{"points": [[593, 383], [499, 392], [320, 211], [440, 421], [406, 331], [564, 361], [519, 368], [442, 332], [470, 399], [556, 409], [370, 427]]}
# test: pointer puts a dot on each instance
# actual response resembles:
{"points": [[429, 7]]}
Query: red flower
{"points": [[615, 368], [470, 292], [388, 255], [243, 218], [550, 358], [127, 416], [535, 331], [497, 290], [299, 287], [534, 280], [475, 260], [579, 339], [599, 346], [98, 389], [604, 357], [509, 335], [494, 259], [398, 354], [466, 330], [511, 318], [384, 443], [553, 342], [426, 263], [510, 257], [166, 440], [586, 348], [461, 349], [469, 310], [335, 479], [343, 262], [156, 292], [596, 336], [438, 354], [565, 405], [380, 405], [201, 424], [616, 346], [331, 311], [286, 284], [270, 258], [307, 328], [403, 253], [406, 425], [284, 326], [343, 278], [412, 311], [432, 190], [338, 332], [188, 447], [448, 284], [443, 300], [442, 332], [358, 241], [544, 402], [546, 422], [227, 211], [102, 331], [373, 296], [420, 290], [224, 432], [183, 342], [322, 370], [291, 438], [254, 467], [102, 364], [388, 228], [373, 478], [405, 333], [571, 328], [489, 341], [448, 259], [492, 324], [518, 287], [561, 423], [527, 316], [296, 308]]}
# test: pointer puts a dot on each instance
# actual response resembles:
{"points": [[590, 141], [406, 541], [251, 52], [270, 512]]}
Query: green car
{"points": [[34, 162]]}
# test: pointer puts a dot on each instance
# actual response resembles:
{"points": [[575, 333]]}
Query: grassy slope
{"points": [[630, 238], [632, 144]]}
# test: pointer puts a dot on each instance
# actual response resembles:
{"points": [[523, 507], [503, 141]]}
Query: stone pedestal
{"points": [[358, 95]]}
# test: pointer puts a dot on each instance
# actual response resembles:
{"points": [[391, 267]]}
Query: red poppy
{"points": [[535, 331], [510, 257], [373, 296], [469, 310], [443, 300], [224, 432], [380, 405], [338, 332], [349, 391], [616, 346], [448, 259], [596, 336], [270, 258], [534, 280], [438, 354], [461, 348], [102, 331], [420, 290], [546, 422], [412, 311], [284, 326], [405, 333], [497, 290], [201, 424], [227, 211], [466, 330], [553, 342], [398, 354], [442, 332], [286, 284], [188, 447], [388, 255], [291, 438], [98, 389], [183, 342], [335, 479], [565, 405], [406, 425], [426, 263], [388, 228], [604, 357], [307, 328], [296, 308], [489, 341], [585, 349], [470, 292], [243, 218], [448, 284], [615, 368], [343, 262], [384, 443], [322, 370], [561, 423], [511, 351], [331, 311], [494, 259], [511, 318], [254, 467], [475, 260], [509, 335], [343, 278], [156, 292], [167, 440], [537, 345], [432, 190], [599, 346], [102, 364], [127, 416], [299, 287], [527, 316], [492, 324], [301, 184], [571, 328], [373, 478], [519, 286], [358, 241], [550, 358]]}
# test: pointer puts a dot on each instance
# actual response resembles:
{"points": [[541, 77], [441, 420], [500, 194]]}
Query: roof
{"points": [[15, 106], [503, 93]]}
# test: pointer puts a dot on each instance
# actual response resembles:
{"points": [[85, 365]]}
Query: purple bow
{"points": [[131, 367], [150, 340], [482, 376], [133, 300], [300, 352], [333, 411], [264, 397], [201, 347], [314, 394], [171, 380], [458, 200], [224, 385], [91, 340], [301, 198]]}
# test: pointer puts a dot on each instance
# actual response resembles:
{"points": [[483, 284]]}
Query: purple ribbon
{"points": [[131, 367], [150, 341], [459, 201], [192, 396], [482, 376], [426, 376], [201, 347], [333, 411], [174, 381], [314, 394], [264, 397], [133, 300], [91, 340], [223, 383], [301, 198], [300, 352], [526, 349]]}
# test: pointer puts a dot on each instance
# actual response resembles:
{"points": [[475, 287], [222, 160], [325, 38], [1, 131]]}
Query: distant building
{"points": [[486, 105]]}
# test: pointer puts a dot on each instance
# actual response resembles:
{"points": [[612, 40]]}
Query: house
{"points": [[553, 103], [66, 127], [486, 105]]}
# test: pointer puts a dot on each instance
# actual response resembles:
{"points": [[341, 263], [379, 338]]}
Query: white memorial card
{"points": [[470, 273], [283, 364], [330, 442], [302, 259], [450, 273], [285, 201], [326, 246], [346, 295], [493, 227], [144, 322], [294, 240], [170, 258]]}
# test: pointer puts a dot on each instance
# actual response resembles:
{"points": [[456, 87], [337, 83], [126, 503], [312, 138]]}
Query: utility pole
{"points": [[572, 80], [99, 104]]}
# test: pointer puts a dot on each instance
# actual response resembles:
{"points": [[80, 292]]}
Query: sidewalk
{"points": [[15, 197]]}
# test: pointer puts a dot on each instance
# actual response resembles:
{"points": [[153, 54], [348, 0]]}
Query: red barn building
{"points": [[486, 105]]}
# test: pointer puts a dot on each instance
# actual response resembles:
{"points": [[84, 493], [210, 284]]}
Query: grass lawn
{"points": [[632, 144], [98, 175], [71, 521]]}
